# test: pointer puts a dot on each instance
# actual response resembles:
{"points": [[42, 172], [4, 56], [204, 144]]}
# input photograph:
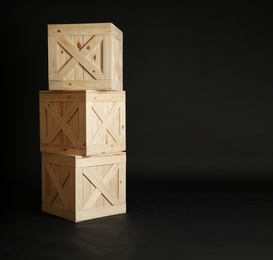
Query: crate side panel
{"points": [[57, 187], [108, 130], [102, 186], [76, 58], [62, 127]]}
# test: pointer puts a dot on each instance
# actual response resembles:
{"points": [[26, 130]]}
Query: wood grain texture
{"points": [[88, 56], [82, 122], [79, 188]]}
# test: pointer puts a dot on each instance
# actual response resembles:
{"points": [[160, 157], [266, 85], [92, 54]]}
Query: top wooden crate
{"points": [[85, 56]]}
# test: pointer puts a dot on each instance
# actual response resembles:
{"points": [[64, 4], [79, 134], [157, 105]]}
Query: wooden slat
{"points": [[60, 159], [78, 42], [107, 57], [55, 30], [122, 183], [105, 96], [52, 56], [63, 96], [99, 84], [43, 125], [101, 148], [116, 61], [100, 212], [101, 159]]}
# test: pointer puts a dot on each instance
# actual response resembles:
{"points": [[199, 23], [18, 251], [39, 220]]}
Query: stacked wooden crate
{"points": [[82, 123]]}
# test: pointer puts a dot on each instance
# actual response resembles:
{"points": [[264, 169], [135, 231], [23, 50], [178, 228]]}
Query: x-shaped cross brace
{"points": [[105, 119], [62, 122], [101, 187], [57, 187], [79, 57]]}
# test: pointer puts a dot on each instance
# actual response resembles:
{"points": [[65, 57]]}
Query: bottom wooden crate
{"points": [[79, 188]]}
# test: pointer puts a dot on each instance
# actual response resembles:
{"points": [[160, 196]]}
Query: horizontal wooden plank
{"points": [[106, 96], [81, 95], [62, 149], [102, 159], [101, 148], [85, 85], [62, 96], [103, 212], [83, 161], [59, 212], [56, 30], [59, 159]]}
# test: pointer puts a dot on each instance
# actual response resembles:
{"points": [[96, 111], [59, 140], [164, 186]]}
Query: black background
{"points": [[198, 82]]}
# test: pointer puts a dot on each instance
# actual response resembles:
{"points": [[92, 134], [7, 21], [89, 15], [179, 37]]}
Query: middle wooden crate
{"points": [[82, 122]]}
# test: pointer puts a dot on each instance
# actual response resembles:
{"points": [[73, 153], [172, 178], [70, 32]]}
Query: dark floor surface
{"points": [[187, 221]]}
